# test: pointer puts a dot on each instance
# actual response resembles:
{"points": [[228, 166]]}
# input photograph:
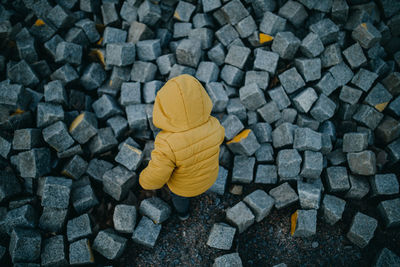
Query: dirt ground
{"points": [[264, 244]]}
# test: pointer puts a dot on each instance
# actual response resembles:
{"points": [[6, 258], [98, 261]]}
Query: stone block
{"points": [[149, 91], [279, 96], [323, 109], [362, 229], [388, 130], [53, 252], [47, 114], [130, 157], [394, 151], [285, 44], [271, 23], [260, 203], [130, 93], [232, 259], [310, 69], [231, 75], [53, 219], [350, 95], [368, 116], [341, 73], [291, 80], [362, 163], [9, 185], [184, 11], [204, 36], [366, 35], [188, 53], [309, 195], [22, 73], [80, 252], [89, 28], [312, 165], [113, 35], [378, 97], [69, 53], [355, 56], [265, 154], [14, 96], [304, 100], [327, 30], [251, 96], [79, 227], [266, 174], [232, 125], [218, 96], [288, 161], [384, 184], [304, 223], [243, 169], [240, 216], [327, 84], [283, 135], [83, 127], [106, 107], [207, 72], [221, 236], [359, 187], [266, 61], [262, 131], [237, 56], [219, 186], [139, 31], [143, 71], [97, 168], [137, 117], [146, 233], [56, 192], [210, 5], [34, 163], [386, 258], [109, 244], [120, 54], [25, 245], [311, 46], [217, 54], [75, 167], [117, 182], [235, 107], [284, 195], [177, 70], [148, 50], [57, 136], [355, 142], [392, 83], [155, 209], [332, 208], [294, 12], [124, 218], [54, 92], [246, 27], [24, 217], [337, 179], [261, 78], [165, 63], [307, 139], [83, 199], [245, 143], [270, 112], [390, 212], [93, 76], [226, 35]]}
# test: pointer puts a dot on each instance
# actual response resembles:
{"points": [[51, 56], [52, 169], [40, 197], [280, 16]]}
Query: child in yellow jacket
{"points": [[186, 151]]}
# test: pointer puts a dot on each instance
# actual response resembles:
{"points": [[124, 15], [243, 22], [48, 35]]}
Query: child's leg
{"points": [[181, 204]]}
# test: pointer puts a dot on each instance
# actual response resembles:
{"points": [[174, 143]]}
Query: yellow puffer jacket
{"points": [[186, 151]]}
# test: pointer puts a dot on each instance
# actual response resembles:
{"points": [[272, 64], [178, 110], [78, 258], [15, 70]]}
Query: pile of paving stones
{"points": [[308, 92]]}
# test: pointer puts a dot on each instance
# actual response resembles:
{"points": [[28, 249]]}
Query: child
{"points": [[186, 151]]}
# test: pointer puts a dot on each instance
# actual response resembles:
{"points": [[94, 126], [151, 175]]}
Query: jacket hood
{"points": [[181, 104]]}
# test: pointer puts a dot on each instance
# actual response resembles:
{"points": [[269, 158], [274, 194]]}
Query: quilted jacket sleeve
{"points": [[160, 167]]}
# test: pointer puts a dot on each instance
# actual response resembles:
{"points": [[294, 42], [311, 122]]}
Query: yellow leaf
{"points": [[39, 23], [99, 41], [176, 15], [380, 107], [76, 122], [239, 137], [18, 111], [364, 25], [265, 38], [293, 220]]}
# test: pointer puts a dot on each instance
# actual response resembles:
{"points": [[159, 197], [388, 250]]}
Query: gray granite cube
{"points": [[362, 163], [243, 169], [113, 35], [355, 142], [221, 236], [143, 71], [54, 92], [332, 208], [262, 131], [53, 252], [218, 96], [56, 192], [146, 233], [362, 229], [232, 259], [309, 195], [124, 218], [311, 46], [261, 78], [327, 84], [245, 143], [210, 5], [79, 227], [386, 257], [235, 107], [75, 167], [120, 54], [217, 54], [288, 162], [232, 125], [69, 53], [285, 44], [53, 219], [165, 63], [323, 109], [341, 73], [130, 157], [48, 113], [378, 97], [366, 35], [260, 203], [83, 127], [240, 216], [309, 68], [188, 53], [231, 75], [368, 116], [307, 139], [137, 117], [312, 165], [83, 199], [220, 184], [155, 209], [355, 56], [293, 12], [359, 187], [56, 135], [25, 245], [97, 168], [22, 73], [148, 50], [265, 154], [279, 96], [251, 96], [34, 163], [390, 212], [326, 29], [384, 184], [106, 107], [207, 72], [392, 83], [271, 23], [80, 252], [304, 100], [337, 179], [89, 27], [270, 112], [237, 56], [266, 174], [93, 76], [305, 223], [266, 61], [388, 130], [284, 195], [25, 139], [283, 135], [109, 244], [117, 182], [350, 95], [24, 216], [9, 185], [291, 80], [246, 27]]}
